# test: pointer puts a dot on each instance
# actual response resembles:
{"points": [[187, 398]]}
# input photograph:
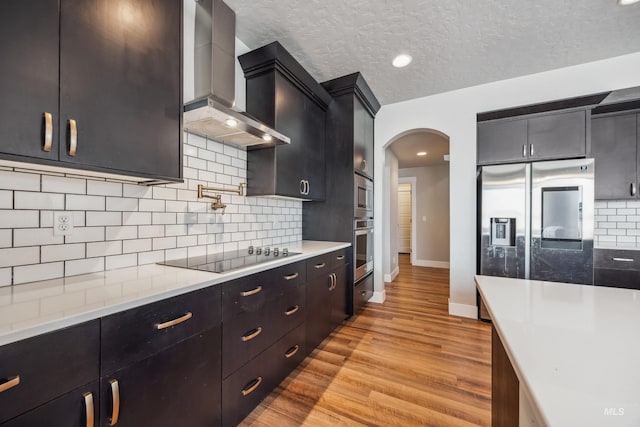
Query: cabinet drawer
{"points": [[338, 258], [143, 331], [288, 352], [287, 312], [289, 277], [319, 266], [243, 337], [362, 292], [618, 259], [629, 279], [69, 410], [48, 366], [248, 294]]}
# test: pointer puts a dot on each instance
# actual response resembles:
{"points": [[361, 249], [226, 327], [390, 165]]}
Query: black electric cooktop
{"points": [[227, 261]]}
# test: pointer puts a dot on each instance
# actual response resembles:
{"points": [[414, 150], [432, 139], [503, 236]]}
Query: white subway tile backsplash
{"points": [[617, 223], [118, 225], [19, 256]]}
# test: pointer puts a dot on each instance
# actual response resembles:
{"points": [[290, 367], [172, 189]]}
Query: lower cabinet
{"points": [[178, 386], [362, 292]]}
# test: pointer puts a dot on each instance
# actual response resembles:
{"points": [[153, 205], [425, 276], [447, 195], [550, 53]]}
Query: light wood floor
{"points": [[402, 363]]}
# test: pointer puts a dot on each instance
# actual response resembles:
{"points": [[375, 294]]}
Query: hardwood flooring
{"points": [[402, 363]]}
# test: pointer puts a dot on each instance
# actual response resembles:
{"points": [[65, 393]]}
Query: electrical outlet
{"points": [[62, 223]]}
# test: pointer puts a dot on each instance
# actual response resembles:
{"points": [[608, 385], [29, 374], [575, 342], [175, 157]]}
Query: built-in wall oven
{"points": [[363, 197], [363, 250]]}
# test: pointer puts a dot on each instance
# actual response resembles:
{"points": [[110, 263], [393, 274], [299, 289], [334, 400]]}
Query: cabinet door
{"points": [[314, 118], [318, 310], [557, 136], [368, 145], [290, 164], [179, 386], [28, 76], [120, 80], [502, 141], [359, 137], [339, 297], [78, 408], [614, 148]]}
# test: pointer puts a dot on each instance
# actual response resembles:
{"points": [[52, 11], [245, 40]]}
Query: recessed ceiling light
{"points": [[267, 137], [231, 122], [627, 2], [402, 60], [421, 153]]}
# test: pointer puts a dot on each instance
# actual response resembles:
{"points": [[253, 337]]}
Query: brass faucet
{"points": [[217, 198]]}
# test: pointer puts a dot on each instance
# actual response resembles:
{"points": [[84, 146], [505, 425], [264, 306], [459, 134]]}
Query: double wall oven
{"points": [[363, 227]]}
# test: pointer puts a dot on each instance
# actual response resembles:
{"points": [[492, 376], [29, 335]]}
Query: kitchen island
{"points": [[563, 354]]}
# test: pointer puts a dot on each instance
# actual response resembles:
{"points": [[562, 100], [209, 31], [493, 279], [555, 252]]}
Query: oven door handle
{"points": [[366, 231]]}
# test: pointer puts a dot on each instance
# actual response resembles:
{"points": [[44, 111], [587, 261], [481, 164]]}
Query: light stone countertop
{"points": [[36, 308], [574, 348]]}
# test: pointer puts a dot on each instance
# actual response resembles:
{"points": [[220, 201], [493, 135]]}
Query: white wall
{"points": [[432, 203], [454, 113], [391, 212]]}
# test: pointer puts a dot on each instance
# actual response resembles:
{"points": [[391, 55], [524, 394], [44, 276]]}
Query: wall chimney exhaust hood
{"points": [[211, 113]]}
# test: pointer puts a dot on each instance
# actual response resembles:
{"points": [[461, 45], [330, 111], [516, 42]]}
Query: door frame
{"points": [[413, 181]]}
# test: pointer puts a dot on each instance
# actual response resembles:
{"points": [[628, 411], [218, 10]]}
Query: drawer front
{"points": [[247, 295], [245, 389], [287, 312], [243, 338], [619, 259], [629, 279], [338, 258], [362, 292], [289, 277], [288, 352], [135, 334], [47, 366], [70, 410], [319, 266]]}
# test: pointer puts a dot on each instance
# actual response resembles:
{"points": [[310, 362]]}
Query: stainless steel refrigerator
{"points": [[536, 221]]}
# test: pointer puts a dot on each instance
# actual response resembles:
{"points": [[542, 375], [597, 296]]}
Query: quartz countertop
{"points": [[574, 348], [35, 308]]}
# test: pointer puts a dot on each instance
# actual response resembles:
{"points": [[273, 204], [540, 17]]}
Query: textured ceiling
{"points": [[406, 147], [454, 44]]}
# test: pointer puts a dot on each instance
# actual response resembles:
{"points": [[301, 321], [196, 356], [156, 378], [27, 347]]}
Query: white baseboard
{"points": [[388, 278], [378, 297], [428, 263], [463, 310]]}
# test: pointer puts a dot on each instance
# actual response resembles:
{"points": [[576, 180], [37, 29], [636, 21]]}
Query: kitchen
{"points": [[444, 112]]}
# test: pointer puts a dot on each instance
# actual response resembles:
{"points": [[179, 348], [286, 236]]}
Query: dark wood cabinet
{"points": [[616, 268], [362, 139], [363, 291], [78, 408], [178, 386], [547, 136], [614, 146], [29, 77], [110, 76], [282, 94]]}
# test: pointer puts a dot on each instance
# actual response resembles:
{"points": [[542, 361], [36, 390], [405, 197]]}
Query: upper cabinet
{"points": [[282, 94], [95, 85], [614, 146]]}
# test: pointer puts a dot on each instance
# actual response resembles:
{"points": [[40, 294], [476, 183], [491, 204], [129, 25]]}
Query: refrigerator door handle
{"points": [[632, 189]]}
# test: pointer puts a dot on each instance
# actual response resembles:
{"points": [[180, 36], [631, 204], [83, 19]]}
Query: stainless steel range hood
{"points": [[212, 112]]}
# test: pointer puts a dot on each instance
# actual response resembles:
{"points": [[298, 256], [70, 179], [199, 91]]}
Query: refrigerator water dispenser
{"points": [[503, 231]]}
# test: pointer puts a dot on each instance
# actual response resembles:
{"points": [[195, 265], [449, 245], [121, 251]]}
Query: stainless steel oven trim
{"points": [[367, 211], [364, 269]]}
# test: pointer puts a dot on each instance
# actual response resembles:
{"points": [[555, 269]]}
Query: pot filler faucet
{"points": [[217, 198]]}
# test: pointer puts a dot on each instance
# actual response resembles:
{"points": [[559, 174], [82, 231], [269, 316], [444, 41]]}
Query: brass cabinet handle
{"points": [[319, 266], [10, 383], [292, 310], [340, 257], [292, 276], [115, 396], [622, 259], [302, 186], [250, 388], [364, 165], [252, 334], [531, 149], [308, 187], [524, 150], [331, 283], [632, 189], [88, 409], [48, 131], [174, 322], [73, 137], [292, 351], [363, 293], [251, 292]]}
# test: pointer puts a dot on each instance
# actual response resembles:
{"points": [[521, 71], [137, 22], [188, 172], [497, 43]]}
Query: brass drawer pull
{"points": [[251, 292], [319, 266], [622, 259], [174, 322], [292, 351], [292, 310], [48, 132], [73, 137], [115, 398], [250, 388], [10, 383], [340, 257], [88, 409], [252, 334], [292, 276]]}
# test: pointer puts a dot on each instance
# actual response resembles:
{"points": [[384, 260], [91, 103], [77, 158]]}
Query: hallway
{"points": [[404, 362]]}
